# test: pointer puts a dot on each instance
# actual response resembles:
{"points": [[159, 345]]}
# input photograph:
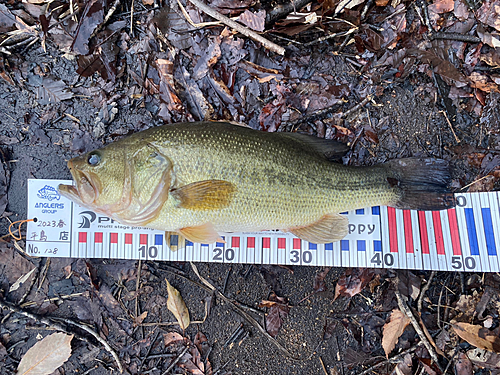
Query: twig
{"points": [[175, 361], [357, 106], [239, 28], [403, 306], [132, 18], [394, 359], [46, 321], [314, 116], [455, 36], [424, 290], [323, 365], [451, 127], [248, 317], [474, 182], [111, 11], [331, 36]]}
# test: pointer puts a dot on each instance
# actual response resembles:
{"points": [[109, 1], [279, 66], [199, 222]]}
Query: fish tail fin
{"points": [[422, 183]]}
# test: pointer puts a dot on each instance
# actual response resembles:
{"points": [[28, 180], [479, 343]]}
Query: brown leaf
{"points": [[442, 67], [353, 281], [409, 284], [393, 330], [254, 21], [405, 366], [278, 310], [461, 10], [489, 13], [481, 184], [201, 342], [176, 305], [319, 280], [481, 82], [47, 355], [173, 338], [463, 365], [478, 336], [442, 6], [191, 362], [141, 318], [91, 16]]}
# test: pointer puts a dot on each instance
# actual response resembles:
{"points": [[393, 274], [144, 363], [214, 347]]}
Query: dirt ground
{"points": [[406, 115]]}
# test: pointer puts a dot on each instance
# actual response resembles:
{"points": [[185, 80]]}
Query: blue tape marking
{"points": [[174, 240], [360, 211], [361, 245], [313, 246], [344, 245], [488, 231], [344, 213], [189, 243], [376, 210], [204, 245], [471, 231], [329, 246], [377, 245], [220, 244], [158, 239]]}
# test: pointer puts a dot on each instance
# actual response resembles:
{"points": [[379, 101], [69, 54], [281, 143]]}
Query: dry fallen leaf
{"points": [[176, 305], [463, 365], [393, 330], [353, 281], [278, 311], [478, 336], [47, 355]]}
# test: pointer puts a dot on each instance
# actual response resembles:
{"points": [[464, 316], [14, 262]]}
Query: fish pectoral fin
{"points": [[203, 233], [330, 228], [205, 195]]}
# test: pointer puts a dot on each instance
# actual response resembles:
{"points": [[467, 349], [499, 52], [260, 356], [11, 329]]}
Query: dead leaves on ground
{"points": [[478, 336], [47, 355], [278, 311], [193, 355], [393, 329], [177, 306]]}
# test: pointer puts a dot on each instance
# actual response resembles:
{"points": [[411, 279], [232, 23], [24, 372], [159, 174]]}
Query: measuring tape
{"points": [[465, 238]]}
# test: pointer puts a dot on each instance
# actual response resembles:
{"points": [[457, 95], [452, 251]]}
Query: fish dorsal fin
{"points": [[205, 195], [203, 233], [330, 228], [327, 148]]}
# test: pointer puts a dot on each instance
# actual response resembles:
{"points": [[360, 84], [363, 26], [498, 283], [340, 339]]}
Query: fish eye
{"points": [[94, 158]]}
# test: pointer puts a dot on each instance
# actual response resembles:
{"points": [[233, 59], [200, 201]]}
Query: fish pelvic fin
{"points": [[330, 228], [203, 233], [205, 195], [422, 183]]}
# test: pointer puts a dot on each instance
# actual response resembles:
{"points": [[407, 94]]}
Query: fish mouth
{"points": [[86, 188]]}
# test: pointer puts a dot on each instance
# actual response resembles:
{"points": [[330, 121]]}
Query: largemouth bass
{"points": [[198, 179]]}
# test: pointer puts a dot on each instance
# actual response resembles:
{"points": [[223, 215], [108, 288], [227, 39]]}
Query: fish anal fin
{"points": [[203, 233], [175, 241], [330, 228], [205, 195]]}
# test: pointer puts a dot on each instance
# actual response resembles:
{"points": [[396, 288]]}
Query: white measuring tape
{"points": [[465, 238]]}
